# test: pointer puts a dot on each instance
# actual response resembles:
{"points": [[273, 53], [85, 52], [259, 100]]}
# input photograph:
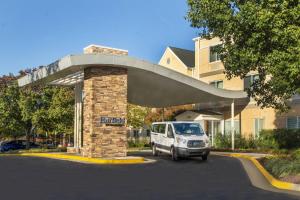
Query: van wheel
{"points": [[204, 157], [174, 154], [154, 151]]}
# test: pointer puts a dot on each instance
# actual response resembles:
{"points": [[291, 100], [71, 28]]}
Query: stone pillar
{"points": [[105, 95]]}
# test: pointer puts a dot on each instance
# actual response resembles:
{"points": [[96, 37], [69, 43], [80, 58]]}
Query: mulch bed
{"points": [[291, 179]]}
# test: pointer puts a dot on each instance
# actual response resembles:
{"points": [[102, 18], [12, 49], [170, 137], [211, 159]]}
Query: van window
{"points": [[188, 129], [170, 131], [162, 128], [154, 128]]}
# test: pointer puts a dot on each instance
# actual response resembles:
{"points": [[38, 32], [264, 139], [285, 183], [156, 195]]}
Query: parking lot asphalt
{"points": [[41, 178]]}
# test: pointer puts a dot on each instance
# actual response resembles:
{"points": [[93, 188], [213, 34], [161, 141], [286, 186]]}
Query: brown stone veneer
{"points": [[105, 95]]}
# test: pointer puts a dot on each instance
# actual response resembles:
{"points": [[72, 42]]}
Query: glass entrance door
{"points": [[213, 128]]}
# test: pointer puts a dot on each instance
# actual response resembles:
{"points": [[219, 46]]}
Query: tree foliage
{"points": [[11, 123], [136, 115], [257, 35], [23, 111]]}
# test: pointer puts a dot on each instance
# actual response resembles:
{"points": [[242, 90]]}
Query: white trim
{"points": [[214, 62], [252, 74], [163, 56], [104, 47], [196, 38], [211, 45], [223, 126]]}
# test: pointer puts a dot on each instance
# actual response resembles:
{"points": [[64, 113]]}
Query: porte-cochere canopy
{"points": [[149, 84]]}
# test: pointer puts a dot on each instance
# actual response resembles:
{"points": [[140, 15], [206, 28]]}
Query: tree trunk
{"points": [[28, 138], [28, 134]]}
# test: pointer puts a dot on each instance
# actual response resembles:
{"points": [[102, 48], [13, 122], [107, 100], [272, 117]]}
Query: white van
{"points": [[179, 139]]}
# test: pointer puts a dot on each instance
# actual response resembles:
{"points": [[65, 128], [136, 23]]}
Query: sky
{"points": [[38, 32]]}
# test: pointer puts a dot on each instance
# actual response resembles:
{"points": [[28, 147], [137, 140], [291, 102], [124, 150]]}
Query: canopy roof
{"points": [[149, 84]]}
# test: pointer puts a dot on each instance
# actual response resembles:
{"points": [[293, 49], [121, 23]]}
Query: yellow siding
{"points": [[175, 63], [233, 84], [203, 52], [208, 72]]}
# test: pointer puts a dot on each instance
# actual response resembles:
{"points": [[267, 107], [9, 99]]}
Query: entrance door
{"points": [[213, 128]]}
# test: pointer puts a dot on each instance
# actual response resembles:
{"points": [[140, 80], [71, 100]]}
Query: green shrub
{"points": [[224, 142], [138, 143], [281, 166], [279, 139], [266, 140], [296, 154]]}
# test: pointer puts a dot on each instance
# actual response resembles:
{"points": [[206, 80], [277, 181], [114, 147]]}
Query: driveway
{"points": [[42, 178]]}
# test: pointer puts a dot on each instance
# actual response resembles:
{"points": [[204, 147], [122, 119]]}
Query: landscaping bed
{"points": [[285, 167]]}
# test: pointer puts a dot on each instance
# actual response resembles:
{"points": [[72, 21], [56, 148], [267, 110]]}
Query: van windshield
{"points": [[188, 129]]}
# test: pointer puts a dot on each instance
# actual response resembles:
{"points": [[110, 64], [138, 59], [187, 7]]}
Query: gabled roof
{"points": [[186, 56]]}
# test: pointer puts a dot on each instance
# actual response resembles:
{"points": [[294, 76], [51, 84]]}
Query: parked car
{"points": [[179, 139], [11, 145], [16, 145]]}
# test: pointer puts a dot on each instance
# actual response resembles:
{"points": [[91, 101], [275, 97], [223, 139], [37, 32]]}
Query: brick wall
{"points": [[105, 95]]}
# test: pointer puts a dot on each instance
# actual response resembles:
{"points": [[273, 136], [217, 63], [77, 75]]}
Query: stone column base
{"points": [[73, 150]]}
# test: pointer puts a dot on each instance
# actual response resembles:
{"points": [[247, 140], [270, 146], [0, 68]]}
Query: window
{"points": [[168, 61], [217, 84], [249, 80], [188, 129], [258, 126], [162, 128], [170, 131], [154, 128], [293, 122], [213, 54], [227, 128]]}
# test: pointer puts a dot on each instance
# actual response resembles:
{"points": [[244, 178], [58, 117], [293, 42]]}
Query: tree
{"points": [[61, 110], [25, 110], [136, 115], [261, 36], [29, 103], [50, 109], [11, 124]]}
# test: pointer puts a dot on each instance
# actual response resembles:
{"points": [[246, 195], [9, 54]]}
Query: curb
{"points": [[273, 181], [136, 160]]}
